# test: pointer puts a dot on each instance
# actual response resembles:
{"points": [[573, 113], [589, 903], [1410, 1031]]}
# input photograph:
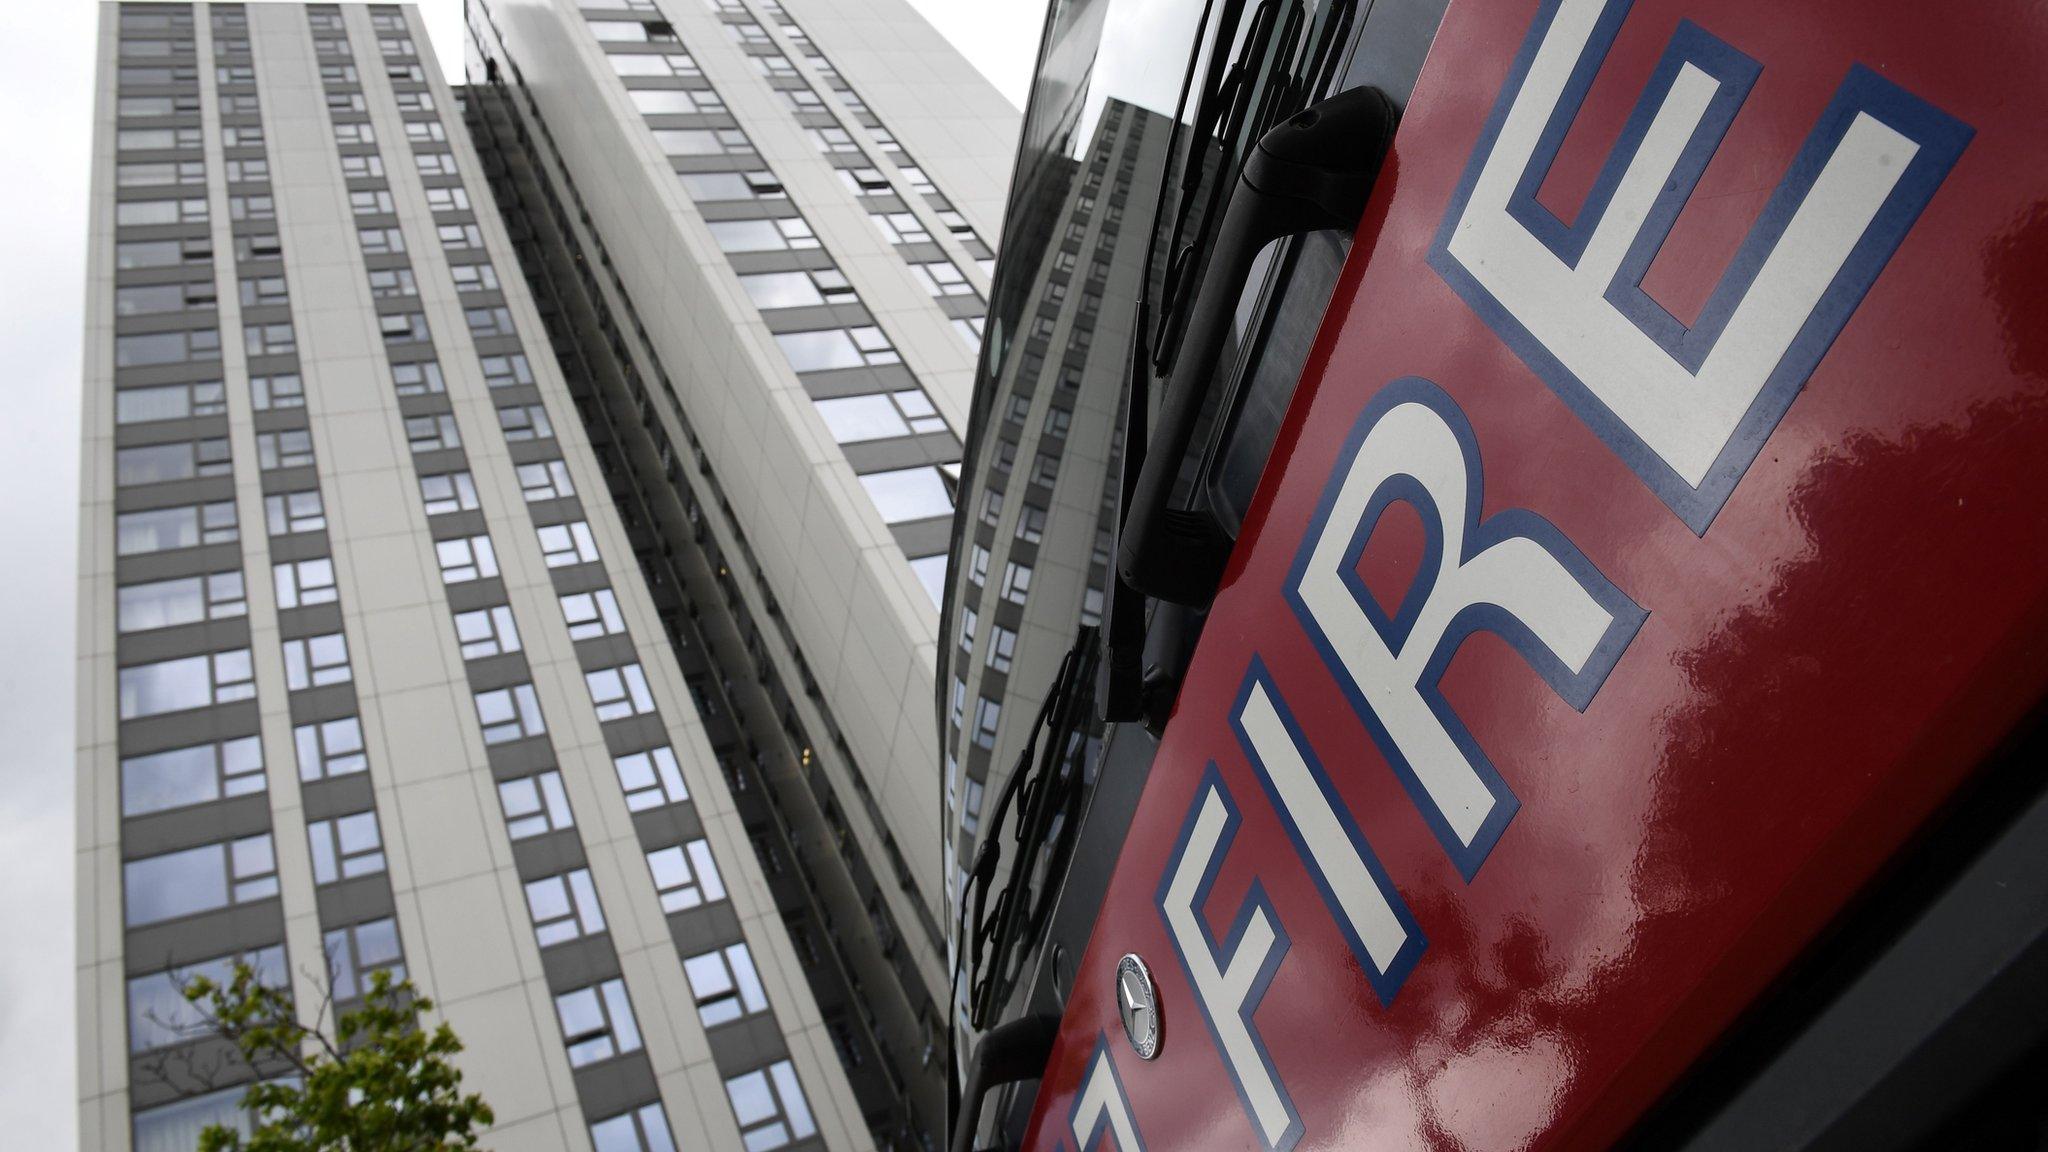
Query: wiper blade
{"points": [[1047, 789]]}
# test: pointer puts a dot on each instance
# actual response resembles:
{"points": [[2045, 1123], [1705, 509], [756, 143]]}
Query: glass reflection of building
{"points": [[1035, 556]]}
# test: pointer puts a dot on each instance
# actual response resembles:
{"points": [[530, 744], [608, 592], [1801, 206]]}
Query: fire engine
{"points": [[1502, 577]]}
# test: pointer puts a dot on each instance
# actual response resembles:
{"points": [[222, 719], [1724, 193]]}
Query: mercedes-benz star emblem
{"points": [[1138, 1004]]}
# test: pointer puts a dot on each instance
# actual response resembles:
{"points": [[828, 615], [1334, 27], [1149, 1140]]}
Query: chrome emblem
{"points": [[1138, 1004]]}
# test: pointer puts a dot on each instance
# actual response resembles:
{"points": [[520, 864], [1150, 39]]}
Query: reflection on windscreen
{"points": [[1101, 168]]}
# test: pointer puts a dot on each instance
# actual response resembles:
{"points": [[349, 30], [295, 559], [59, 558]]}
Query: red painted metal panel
{"points": [[1857, 626]]}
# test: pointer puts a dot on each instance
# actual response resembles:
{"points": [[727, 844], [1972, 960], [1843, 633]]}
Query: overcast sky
{"points": [[46, 64]]}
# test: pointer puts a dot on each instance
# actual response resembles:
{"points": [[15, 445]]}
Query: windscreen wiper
{"points": [[1046, 788]]}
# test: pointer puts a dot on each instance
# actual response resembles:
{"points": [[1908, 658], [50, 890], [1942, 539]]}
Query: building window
{"points": [[176, 884], [199, 774], [970, 815], [650, 779], [941, 278], [907, 494], [148, 139], [545, 480], [644, 1129], [316, 661], [675, 101], [565, 544], [160, 299], [301, 583], [262, 292], [852, 419], [506, 371], [1016, 582], [330, 748], [466, 558], [291, 448], [163, 463], [509, 714], [474, 277], [444, 199], [859, 181], [987, 713], [432, 433], [457, 237], [1002, 647], [901, 228], [345, 847], [290, 512], [703, 141], [185, 683], [535, 804], [977, 565], [597, 1022], [725, 985], [160, 1016], [592, 614], [831, 140], [564, 907], [1091, 606], [525, 421], [486, 632], [619, 692], [140, 213], [159, 175], [163, 253], [686, 876], [434, 163], [392, 283], [775, 235], [183, 600], [417, 378], [770, 1106], [403, 328], [284, 390], [381, 241], [836, 349], [1030, 523], [359, 951], [446, 492], [371, 202], [712, 187], [165, 529], [258, 246], [772, 290], [667, 64]]}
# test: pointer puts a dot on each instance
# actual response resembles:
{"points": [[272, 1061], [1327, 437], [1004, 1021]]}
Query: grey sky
{"points": [[46, 63]]}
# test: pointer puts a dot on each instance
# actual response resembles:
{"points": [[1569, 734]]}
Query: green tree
{"points": [[382, 1083]]}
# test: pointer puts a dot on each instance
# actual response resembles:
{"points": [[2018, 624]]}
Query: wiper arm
{"points": [[1048, 800]]}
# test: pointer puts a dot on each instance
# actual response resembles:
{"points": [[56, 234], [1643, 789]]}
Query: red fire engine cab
{"points": [[1567, 664]]}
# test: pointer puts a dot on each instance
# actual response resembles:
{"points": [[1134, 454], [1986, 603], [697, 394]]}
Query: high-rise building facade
{"points": [[757, 231], [370, 675]]}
